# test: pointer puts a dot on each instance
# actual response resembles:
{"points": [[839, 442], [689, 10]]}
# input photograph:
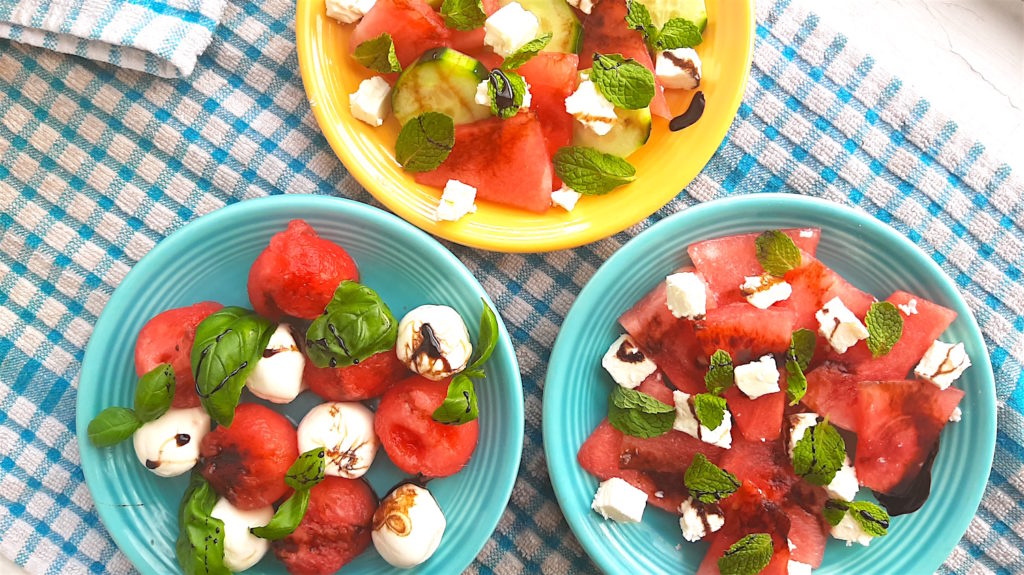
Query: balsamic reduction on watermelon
{"points": [[909, 496]]}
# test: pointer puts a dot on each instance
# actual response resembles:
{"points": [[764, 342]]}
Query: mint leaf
{"points": [[526, 52], [885, 327], [802, 345], [154, 393], [112, 426], [463, 14], [678, 33], [819, 454], [834, 511], [872, 519], [638, 18], [378, 54], [707, 482], [487, 340], [639, 414], [720, 372], [748, 556], [506, 91], [307, 471], [425, 142], [591, 172], [710, 410], [623, 82], [777, 253], [796, 382], [200, 544], [460, 405], [355, 325], [798, 357]]}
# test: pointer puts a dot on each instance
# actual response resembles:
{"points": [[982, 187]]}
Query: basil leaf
{"points": [[154, 393], [229, 343], [378, 54], [286, 519], [307, 471], [112, 426], [819, 454], [777, 252], [720, 372], [506, 91], [678, 33], [200, 545], [748, 556], [638, 414], [885, 327], [526, 52], [355, 325], [460, 406], [707, 482], [638, 18], [591, 172], [623, 82], [487, 340], [463, 14], [425, 142]]}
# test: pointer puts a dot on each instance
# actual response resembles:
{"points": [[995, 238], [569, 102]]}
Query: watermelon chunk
{"points": [[671, 452], [809, 533], [466, 41], [758, 419], [725, 262], [747, 512], [552, 78], [671, 343], [814, 284], [606, 33], [832, 392], [413, 25], [745, 331], [764, 464], [898, 427], [505, 160], [656, 387]]}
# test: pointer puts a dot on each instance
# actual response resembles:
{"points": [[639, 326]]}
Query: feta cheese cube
{"points": [[509, 28], [483, 95], [693, 514], [839, 326], [799, 423], [686, 295], [687, 422], [679, 68], [628, 366], [909, 308], [798, 568], [370, 103], [757, 378], [957, 415], [849, 530], [348, 11], [618, 500], [844, 485], [943, 363], [763, 291], [584, 6], [591, 108], [565, 198], [457, 200]]}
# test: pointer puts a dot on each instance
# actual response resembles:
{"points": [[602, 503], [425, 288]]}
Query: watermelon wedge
{"points": [[745, 331], [833, 392], [808, 531], [552, 78], [656, 387], [898, 427], [505, 160], [747, 512], [671, 452], [599, 456], [765, 465], [814, 284], [758, 419], [413, 25]]}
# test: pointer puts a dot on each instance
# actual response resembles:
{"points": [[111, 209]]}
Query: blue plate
{"points": [[209, 259], [871, 255]]}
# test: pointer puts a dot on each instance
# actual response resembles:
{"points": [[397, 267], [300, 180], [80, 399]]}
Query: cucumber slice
{"points": [[557, 18], [664, 10], [631, 130], [442, 80]]}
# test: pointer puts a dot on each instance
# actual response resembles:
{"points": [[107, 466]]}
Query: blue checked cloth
{"points": [[98, 164], [159, 37]]}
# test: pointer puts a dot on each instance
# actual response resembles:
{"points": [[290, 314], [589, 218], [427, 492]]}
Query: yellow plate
{"points": [[664, 166]]}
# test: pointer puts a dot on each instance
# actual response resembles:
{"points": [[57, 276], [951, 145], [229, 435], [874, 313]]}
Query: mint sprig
{"points": [[720, 372], [819, 454], [798, 358], [526, 52], [748, 556], [624, 82], [676, 33], [885, 327], [710, 410], [707, 482], [638, 414], [378, 54], [777, 252], [425, 142], [591, 172], [506, 91], [305, 473], [460, 402], [873, 519], [463, 14]]}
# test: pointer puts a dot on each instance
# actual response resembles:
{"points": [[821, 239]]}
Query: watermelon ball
{"points": [[335, 529], [168, 338], [410, 436], [246, 462], [296, 274], [365, 380]]}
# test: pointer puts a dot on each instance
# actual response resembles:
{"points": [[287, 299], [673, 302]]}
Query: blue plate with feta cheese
{"points": [[869, 254], [209, 260]]}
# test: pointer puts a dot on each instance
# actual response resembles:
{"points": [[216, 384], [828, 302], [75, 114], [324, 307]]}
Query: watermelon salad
{"points": [[525, 103], [761, 397], [259, 483]]}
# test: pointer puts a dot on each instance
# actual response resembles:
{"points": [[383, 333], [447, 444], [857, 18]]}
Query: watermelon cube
{"points": [[748, 512], [808, 531], [413, 25], [832, 392], [758, 419], [765, 465], [552, 78], [745, 331]]}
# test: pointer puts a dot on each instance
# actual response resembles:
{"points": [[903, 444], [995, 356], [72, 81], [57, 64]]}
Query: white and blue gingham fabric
{"points": [[98, 164], [162, 37]]}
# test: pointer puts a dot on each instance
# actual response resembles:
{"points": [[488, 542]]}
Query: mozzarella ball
{"points": [[278, 374], [242, 549], [169, 445], [434, 342], [407, 526], [345, 431]]}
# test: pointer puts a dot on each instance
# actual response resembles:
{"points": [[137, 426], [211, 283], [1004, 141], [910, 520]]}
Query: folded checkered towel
{"points": [[159, 37]]}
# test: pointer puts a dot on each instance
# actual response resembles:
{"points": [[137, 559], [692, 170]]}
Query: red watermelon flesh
{"points": [[761, 418], [814, 284], [725, 262], [745, 331], [552, 78], [746, 513], [671, 488], [670, 452], [919, 331], [832, 392], [505, 160], [670, 342], [656, 387], [599, 456], [605, 32], [763, 464], [468, 40], [809, 533], [413, 25], [898, 425]]}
